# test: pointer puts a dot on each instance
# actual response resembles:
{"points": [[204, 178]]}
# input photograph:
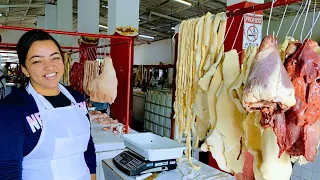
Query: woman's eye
{"points": [[56, 58], [36, 62]]}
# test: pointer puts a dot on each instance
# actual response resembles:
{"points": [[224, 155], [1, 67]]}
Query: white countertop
{"points": [[183, 171], [106, 141]]}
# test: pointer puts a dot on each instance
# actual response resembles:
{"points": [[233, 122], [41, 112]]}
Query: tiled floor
{"points": [[310, 171]]}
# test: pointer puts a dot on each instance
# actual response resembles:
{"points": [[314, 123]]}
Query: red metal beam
{"points": [[66, 32], [261, 7], [14, 46]]}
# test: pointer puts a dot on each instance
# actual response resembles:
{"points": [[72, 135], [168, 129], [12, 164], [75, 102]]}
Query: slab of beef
{"points": [[302, 131], [269, 88]]}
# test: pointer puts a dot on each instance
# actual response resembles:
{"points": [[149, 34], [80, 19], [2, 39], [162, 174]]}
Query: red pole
{"points": [[129, 89], [14, 45], [66, 32], [261, 7]]}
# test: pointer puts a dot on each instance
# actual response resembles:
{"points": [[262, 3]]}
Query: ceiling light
{"points": [[0, 14], [102, 26], [105, 6], [145, 36], [173, 28], [184, 2]]}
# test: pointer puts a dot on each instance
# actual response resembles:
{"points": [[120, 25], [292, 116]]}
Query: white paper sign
{"points": [[252, 30]]}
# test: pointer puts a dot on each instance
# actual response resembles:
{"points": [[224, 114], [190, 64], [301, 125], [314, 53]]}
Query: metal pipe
{"points": [[66, 32], [14, 45], [165, 16], [260, 7], [22, 6]]}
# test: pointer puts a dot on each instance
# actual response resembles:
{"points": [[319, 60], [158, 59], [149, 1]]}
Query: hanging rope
{"points": [[234, 42], [299, 18], [294, 20], [273, 1], [284, 13], [305, 19]]}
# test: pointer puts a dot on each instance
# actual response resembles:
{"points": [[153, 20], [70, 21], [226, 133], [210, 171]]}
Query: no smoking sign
{"points": [[252, 31]]}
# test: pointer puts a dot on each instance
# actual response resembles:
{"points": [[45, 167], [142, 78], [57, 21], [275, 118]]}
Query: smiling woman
{"points": [[48, 137]]}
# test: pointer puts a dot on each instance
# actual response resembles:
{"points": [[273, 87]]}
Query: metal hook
{"points": [[284, 13], [314, 12], [299, 18], [226, 34], [237, 33], [294, 20], [305, 19], [313, 24], [273, 1]]}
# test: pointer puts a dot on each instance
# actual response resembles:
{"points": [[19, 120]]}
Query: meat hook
{"points": [[299, 18], [284, 13], [313, 24], [305, 19], [237, 33], [273, 1], [229, 26], [294, 20], [313, 16]]}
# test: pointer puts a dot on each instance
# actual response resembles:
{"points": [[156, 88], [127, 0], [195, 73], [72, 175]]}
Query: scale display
{"points": [[132, 164]]}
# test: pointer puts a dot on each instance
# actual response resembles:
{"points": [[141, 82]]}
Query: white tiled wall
{"points": [[310, 171]]}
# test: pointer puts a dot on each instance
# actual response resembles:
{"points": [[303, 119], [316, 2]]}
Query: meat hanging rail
{"points": [[229, 14], [123, 64], [260, 7]]}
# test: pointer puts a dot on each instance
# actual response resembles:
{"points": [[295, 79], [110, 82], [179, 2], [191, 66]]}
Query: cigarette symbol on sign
{"points": [[252, 33]]}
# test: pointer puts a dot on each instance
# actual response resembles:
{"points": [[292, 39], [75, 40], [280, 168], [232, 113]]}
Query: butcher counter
{"points": [[108, 145], [184, 171]]}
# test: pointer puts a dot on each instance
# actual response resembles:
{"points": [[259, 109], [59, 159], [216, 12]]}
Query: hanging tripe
{"points": [[104, 88]]}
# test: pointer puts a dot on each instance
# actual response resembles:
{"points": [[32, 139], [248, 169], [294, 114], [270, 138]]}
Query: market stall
{"points": [[242, 112]]}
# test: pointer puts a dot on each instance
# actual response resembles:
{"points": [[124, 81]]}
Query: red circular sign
{"points": [[252, 33]]}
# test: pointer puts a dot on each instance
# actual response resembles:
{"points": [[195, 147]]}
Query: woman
{"points": [[44, 127]]}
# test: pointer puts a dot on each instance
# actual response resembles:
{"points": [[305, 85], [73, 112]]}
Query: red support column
{"points": [[121, 109]]}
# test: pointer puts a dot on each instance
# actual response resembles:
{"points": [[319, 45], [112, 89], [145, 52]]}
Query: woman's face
{"points": [[44, 66]]}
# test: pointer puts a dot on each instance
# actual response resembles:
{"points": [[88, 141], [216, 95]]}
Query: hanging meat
{"points": [[67, 66], [303, 131], [104, 88], [268, 87], [76, 76], [91, 71]]}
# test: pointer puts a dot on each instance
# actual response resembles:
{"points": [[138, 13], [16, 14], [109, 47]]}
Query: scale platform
{"points": [[147, 153]]}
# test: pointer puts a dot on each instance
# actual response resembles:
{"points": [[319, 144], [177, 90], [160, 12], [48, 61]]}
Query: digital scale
{"points": [[132, 164], [148, 153]]}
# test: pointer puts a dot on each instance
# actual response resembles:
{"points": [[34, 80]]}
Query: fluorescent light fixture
{"points": [[0, 14], [145, 36], [184, 2], [102, 26], [8, 55], [173, 28], [105, 6]]}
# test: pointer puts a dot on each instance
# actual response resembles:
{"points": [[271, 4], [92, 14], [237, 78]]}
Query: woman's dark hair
{"points": [[24, 45]]}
